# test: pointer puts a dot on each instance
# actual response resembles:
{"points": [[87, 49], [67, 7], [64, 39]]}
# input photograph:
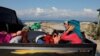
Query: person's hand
{"points": [[56, 39], [70, 28]]}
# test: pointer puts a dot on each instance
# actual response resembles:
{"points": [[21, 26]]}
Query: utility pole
{"points": [[98, 26]]}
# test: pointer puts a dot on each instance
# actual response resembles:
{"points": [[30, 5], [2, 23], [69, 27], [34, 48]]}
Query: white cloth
{"points": [[38, 37], [15, 39]]}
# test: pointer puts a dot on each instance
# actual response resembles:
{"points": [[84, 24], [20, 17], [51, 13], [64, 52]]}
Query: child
{"points": [[16, 37]]}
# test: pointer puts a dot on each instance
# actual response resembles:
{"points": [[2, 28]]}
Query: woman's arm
{"points": [[64, 35]]}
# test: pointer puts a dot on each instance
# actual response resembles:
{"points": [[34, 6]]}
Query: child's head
{"points": [[55, 33], [3, 32]]}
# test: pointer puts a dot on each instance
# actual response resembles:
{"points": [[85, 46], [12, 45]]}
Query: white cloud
{"points": [[39, 11], [88, 10], [54, 8], [54, 12]]}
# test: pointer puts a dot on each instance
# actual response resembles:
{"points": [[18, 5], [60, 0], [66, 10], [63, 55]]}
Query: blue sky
{"points": [[54, 9]]}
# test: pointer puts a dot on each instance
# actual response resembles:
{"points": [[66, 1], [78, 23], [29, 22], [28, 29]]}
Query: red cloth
{"points": [[48, 39], [73, 38], [8, 37], [5, 38], [2, 37]]}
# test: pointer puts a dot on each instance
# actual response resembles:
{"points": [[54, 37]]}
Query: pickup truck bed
{"points": [[23, 49]]}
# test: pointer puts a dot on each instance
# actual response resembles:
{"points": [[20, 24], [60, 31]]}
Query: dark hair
{"points": [[55, 31]]}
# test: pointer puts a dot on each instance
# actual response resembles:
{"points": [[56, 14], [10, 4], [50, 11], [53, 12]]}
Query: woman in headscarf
{"points": [[72, 33]]}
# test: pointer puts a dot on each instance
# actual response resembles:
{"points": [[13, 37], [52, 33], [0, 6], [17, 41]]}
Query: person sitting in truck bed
{"points": [[20, 36], [72, 33], [48, 39]]}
